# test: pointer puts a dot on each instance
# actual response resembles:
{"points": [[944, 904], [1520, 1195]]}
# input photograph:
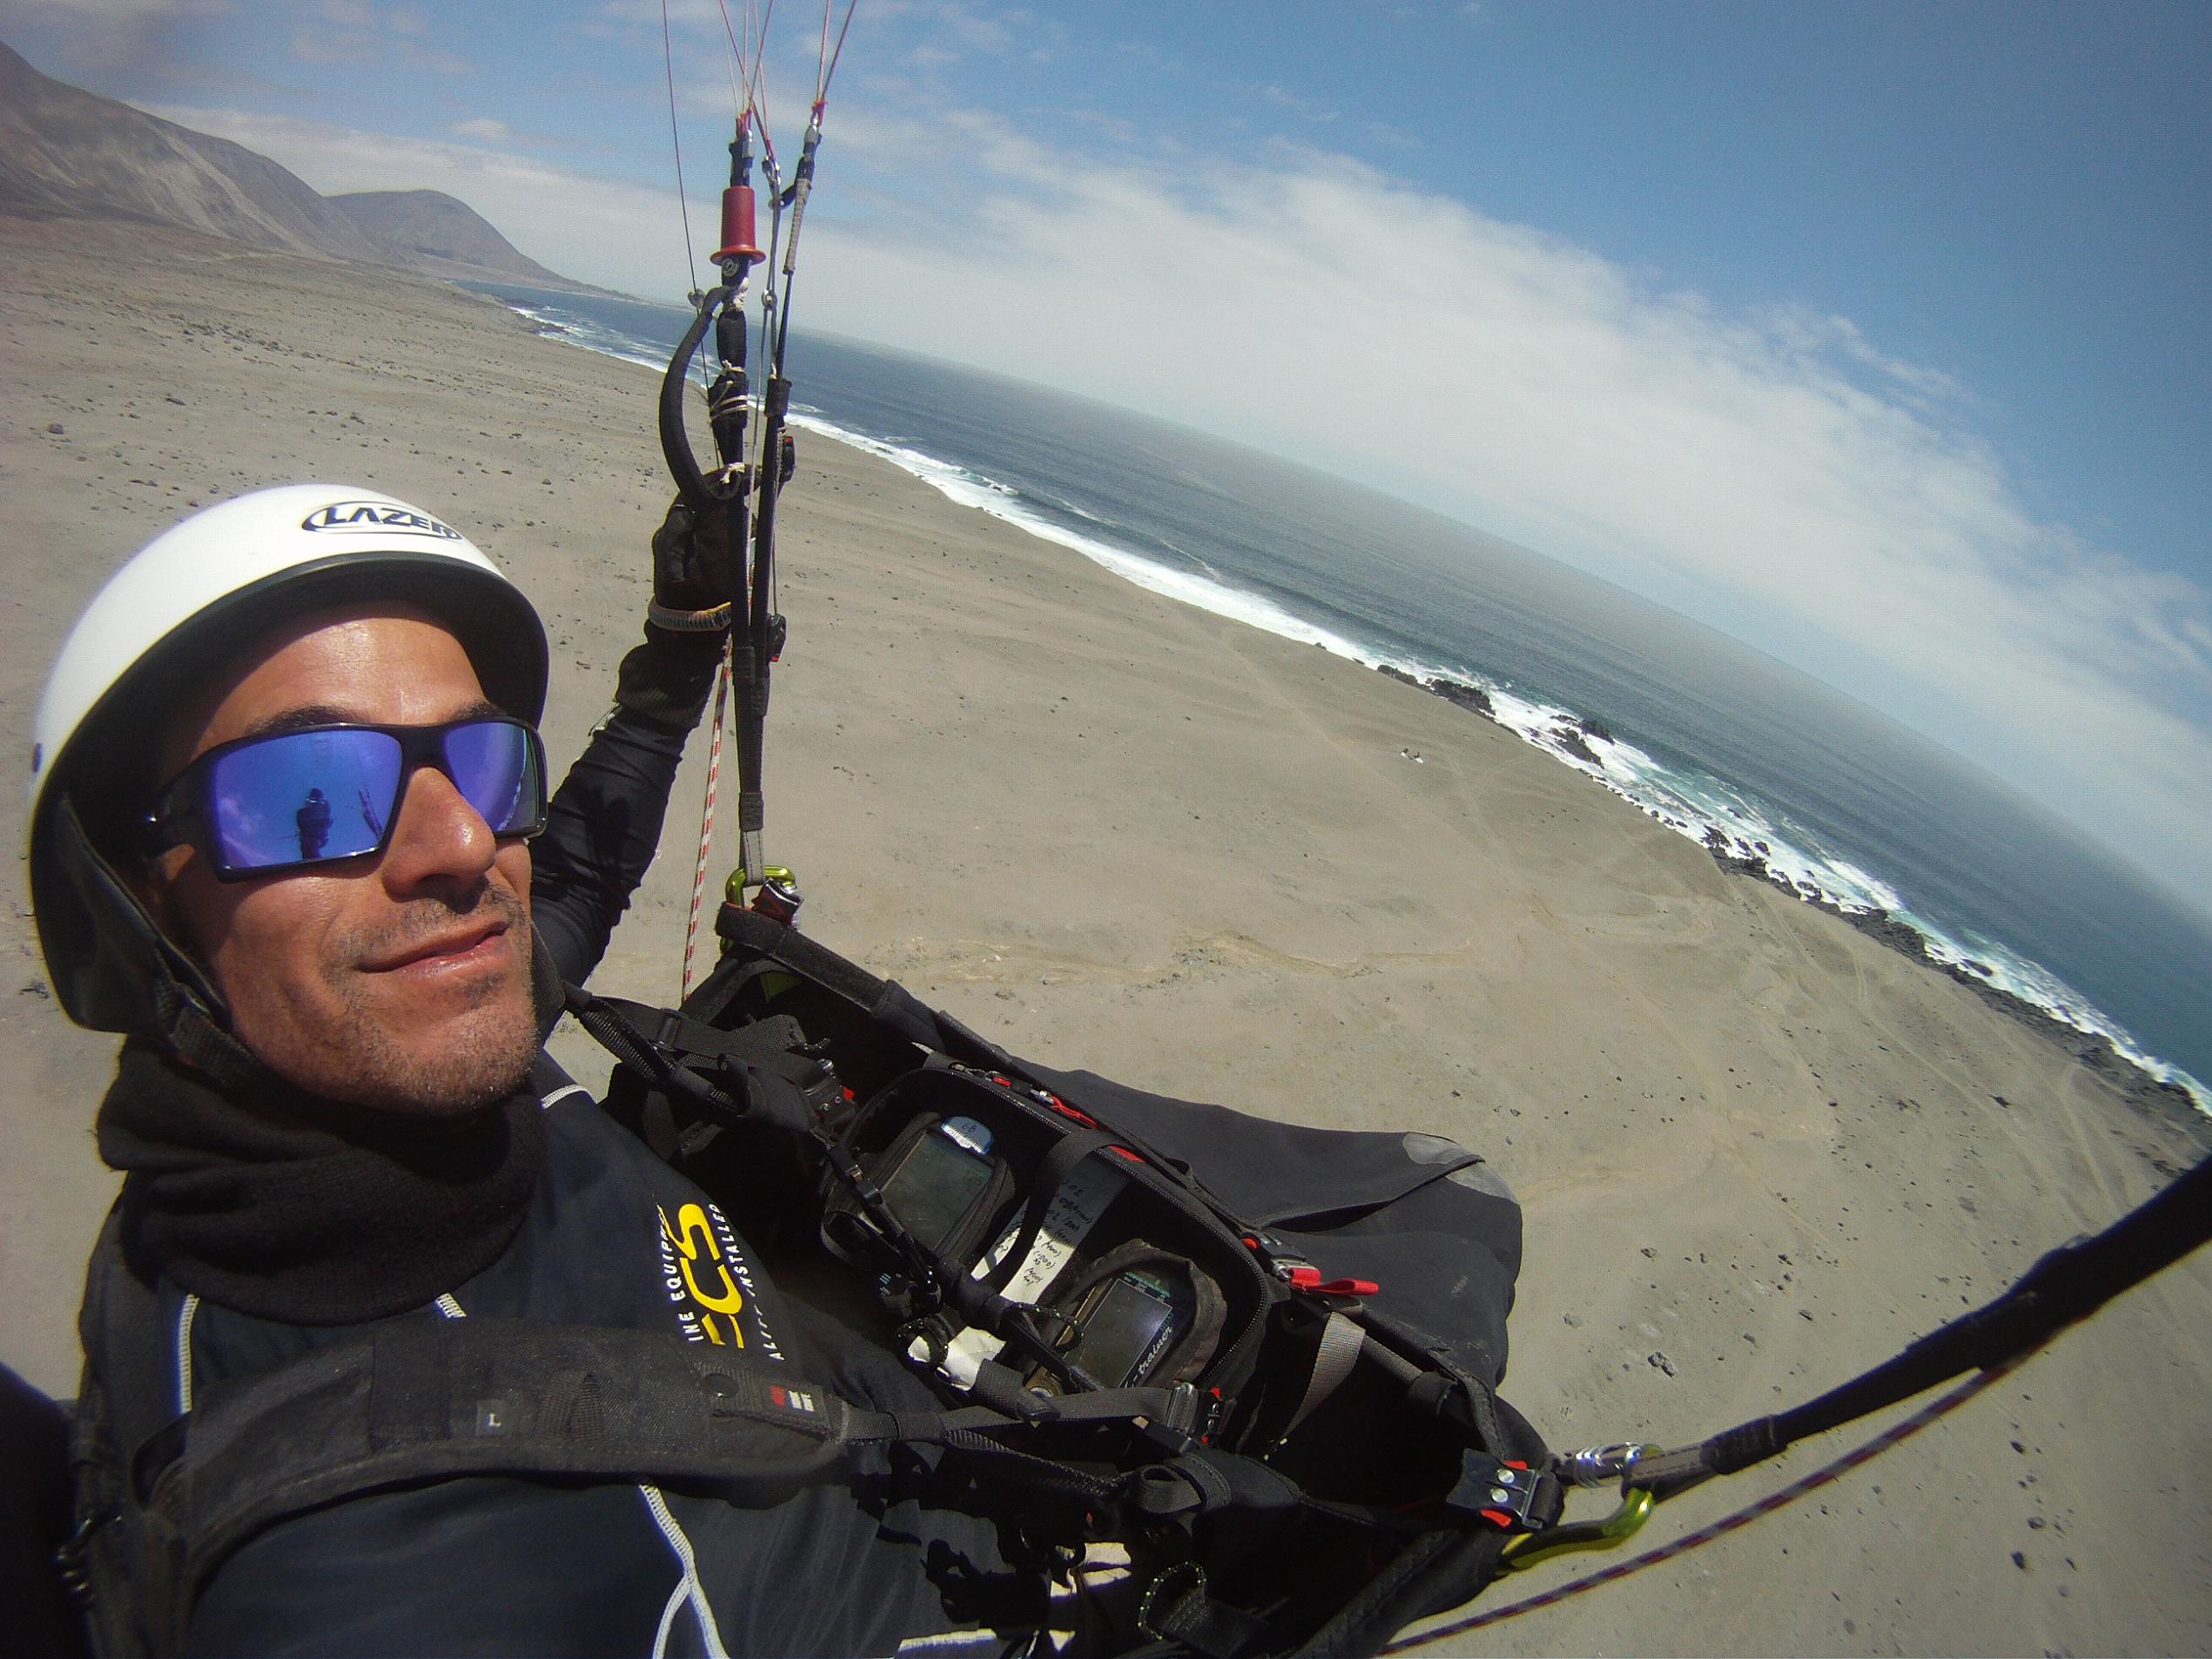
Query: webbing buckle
{"points": [[1301, 1274]]}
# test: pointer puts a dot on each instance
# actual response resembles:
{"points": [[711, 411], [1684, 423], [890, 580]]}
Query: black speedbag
{"points": [[1259, 1357]]}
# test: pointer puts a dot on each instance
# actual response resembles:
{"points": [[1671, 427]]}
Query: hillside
{"points": [[433, 232], [64, 151], [69, 152]]}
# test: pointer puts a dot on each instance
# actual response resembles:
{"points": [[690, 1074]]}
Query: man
{"points": [[335, 1116]]}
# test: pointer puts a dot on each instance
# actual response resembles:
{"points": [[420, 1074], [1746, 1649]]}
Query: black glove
{"points": [[692, 570]]}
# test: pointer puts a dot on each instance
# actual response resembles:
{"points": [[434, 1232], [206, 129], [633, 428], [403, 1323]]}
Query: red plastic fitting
{"points": [[737, 226]]}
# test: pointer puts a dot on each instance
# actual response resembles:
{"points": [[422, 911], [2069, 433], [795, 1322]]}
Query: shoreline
{"points": [[2141, 1084], [2099, 1041], [1754, 1148], [1567, 740]]}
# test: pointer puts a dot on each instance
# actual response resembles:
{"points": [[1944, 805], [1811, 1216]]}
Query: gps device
{"points": [[936, 1177], [1123, 1326]]}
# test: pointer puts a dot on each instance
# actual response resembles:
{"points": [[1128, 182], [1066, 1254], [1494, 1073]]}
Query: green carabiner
{"points": [[1637, 1503]]}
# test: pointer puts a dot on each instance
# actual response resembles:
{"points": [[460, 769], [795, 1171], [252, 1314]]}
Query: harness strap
{"points": [[885, 1000], [764, 936], [1334, 1358], [1206, 1482], [423, 1402], [769, 1082], [419, 1401], [131, 1395], [1176, 1609]]}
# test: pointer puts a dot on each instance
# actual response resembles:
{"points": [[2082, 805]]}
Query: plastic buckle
{"points": [[1503, 1493], [1174, 1430]]}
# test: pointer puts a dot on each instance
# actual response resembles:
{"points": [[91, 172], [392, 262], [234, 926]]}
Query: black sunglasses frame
{"points": [[180, 814]]}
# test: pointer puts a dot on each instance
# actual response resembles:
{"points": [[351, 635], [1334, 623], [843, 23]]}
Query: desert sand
{"points": [[1757, 1150]]}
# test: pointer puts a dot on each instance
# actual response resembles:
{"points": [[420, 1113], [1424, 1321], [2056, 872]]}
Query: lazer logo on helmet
{"points": [[358, 517]]}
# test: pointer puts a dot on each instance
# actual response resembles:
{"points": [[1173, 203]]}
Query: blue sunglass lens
{"points": [[302, 796], [493, 764], [299, 797]]}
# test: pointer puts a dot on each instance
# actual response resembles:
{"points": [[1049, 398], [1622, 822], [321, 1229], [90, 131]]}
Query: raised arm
{"points": [[605, 820]]}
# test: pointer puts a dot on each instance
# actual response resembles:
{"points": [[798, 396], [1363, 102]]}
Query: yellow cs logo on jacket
{"points": [[709, 1282]]}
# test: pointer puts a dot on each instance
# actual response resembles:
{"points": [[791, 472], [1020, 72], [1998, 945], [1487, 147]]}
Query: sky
{"points": [[1877, 336]]}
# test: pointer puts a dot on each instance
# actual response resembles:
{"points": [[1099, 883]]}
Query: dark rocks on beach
{"points": [[1461, 694], [1735, 855], [1571, 742], [1456, 692], [1593, 727], [1879, 925]]}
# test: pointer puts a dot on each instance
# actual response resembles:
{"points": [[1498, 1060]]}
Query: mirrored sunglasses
{"points": [[290, 800]]}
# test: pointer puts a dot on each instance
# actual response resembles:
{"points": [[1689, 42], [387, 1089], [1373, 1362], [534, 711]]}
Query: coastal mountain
{"points": [[435, 233], [68, 152]]}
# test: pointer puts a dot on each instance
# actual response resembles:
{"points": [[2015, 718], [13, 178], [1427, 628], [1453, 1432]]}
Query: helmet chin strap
{"points": [[177, 1005], [193, 1034], [150, 980]]}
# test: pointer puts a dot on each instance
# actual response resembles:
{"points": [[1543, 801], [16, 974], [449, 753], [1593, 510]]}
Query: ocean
{"points": [[1703, 733]]}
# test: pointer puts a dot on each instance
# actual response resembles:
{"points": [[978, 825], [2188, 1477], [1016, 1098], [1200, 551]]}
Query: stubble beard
{"points": [[480, 1052]]}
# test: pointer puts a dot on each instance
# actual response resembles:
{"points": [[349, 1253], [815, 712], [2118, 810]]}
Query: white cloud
{"points": [[483, 129], [980, 27], [363, 32], [1305, 109]]}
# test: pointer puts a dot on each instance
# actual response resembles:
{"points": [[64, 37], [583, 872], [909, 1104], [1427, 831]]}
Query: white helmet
{"points": [[175, 614]]}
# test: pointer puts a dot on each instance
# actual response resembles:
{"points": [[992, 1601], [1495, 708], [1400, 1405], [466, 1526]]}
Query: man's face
{"points": [[400, 981]]}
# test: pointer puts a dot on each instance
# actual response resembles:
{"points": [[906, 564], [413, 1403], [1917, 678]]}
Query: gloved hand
{"points": [[692, 571]]}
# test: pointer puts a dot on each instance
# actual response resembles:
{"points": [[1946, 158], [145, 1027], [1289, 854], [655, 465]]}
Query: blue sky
{"points": [[1877, 335]]}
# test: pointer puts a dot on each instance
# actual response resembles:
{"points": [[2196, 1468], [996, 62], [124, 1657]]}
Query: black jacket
{"points": [[611, 1238], [484, 1565]]}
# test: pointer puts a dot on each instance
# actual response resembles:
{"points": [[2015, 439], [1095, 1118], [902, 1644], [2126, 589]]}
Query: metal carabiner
{"points": [[1616, 1528], [1597, 1465]]}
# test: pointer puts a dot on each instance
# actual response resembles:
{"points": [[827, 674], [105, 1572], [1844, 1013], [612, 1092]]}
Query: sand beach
{"points": [[1757, 1150]]}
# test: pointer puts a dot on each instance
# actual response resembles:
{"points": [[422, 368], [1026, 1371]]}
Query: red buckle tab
{"points": [[1307, 1278]]}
